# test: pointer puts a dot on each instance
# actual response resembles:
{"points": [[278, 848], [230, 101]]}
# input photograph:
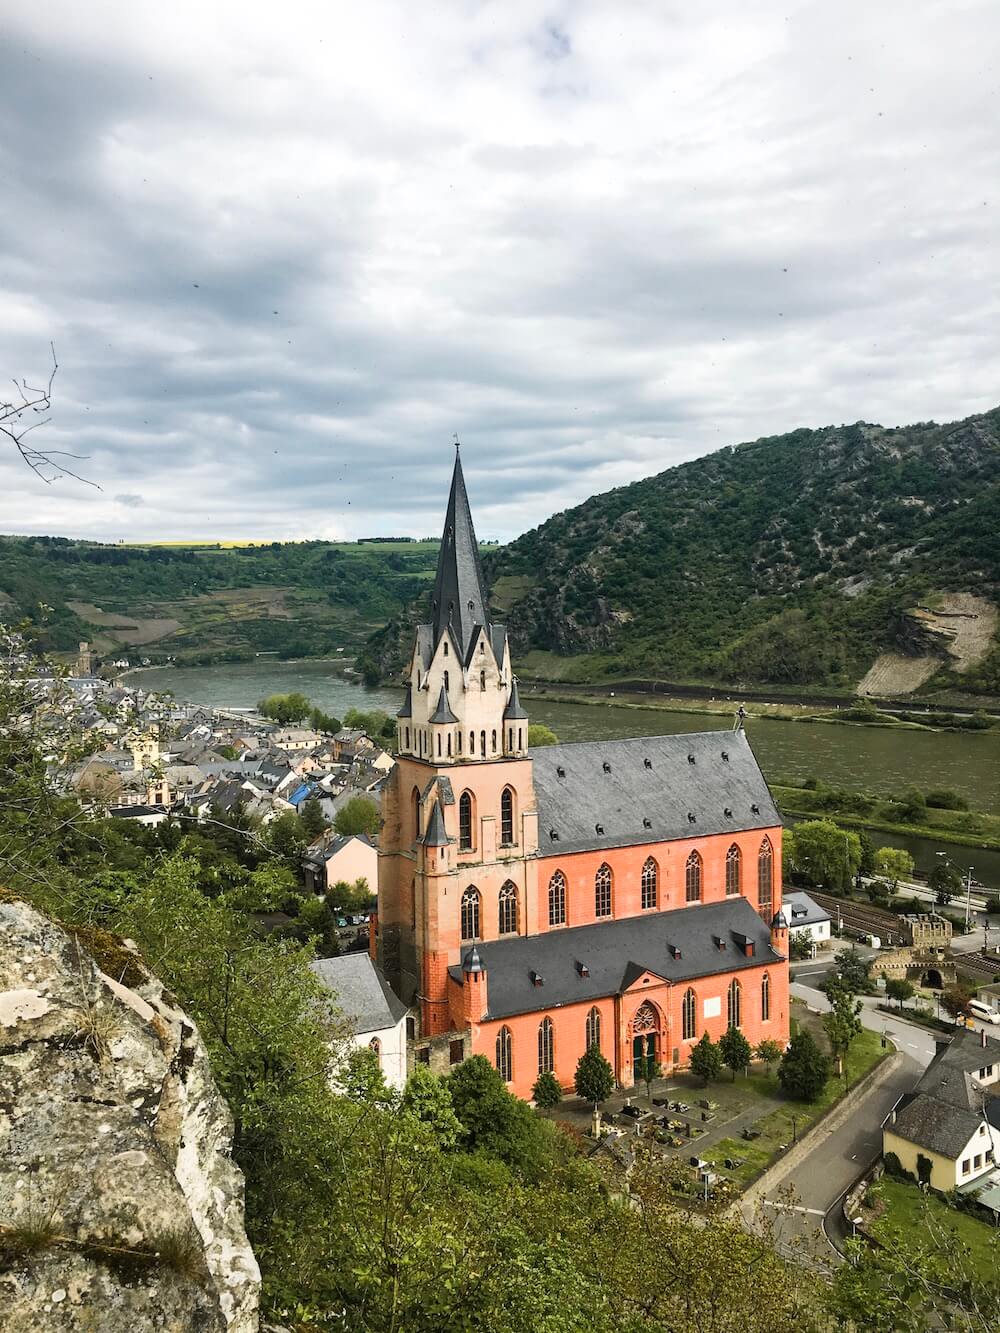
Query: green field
{"points": [[908, 1212]]}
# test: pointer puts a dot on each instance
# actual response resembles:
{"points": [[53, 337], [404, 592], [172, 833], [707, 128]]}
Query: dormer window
{"points": [[692, 819], [606, 766], [728, 812], [755, 809], [599, 828], [691, 759], [647, 822], [560, 771], [725, 757]]}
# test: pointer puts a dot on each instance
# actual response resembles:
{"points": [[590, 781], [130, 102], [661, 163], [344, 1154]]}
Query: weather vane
{"points": [[457, 442]]}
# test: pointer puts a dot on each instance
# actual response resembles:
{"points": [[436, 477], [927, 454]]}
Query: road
{"points": [[846, 1143]]}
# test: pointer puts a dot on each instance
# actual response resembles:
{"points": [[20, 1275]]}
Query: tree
{"points": [[359, 815], [895, 864], [955, 1001], [800, 946], [546, 1091], [867, 863], [946, 882], [853, 973], [539, 735], [320, 721], [705, 1061], [312, 819], [363, 1080], [347, 897], [826, 854], [426, 1098], [19, 416], [899, 989], [735, 1050], [647, 1068], [842, 1025], [804, 1069], [285, 708], [769, 1053], [992, 905], [594, 1078]]}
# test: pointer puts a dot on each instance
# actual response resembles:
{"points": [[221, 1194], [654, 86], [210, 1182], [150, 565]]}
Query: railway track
{"points": [[862, 919]]}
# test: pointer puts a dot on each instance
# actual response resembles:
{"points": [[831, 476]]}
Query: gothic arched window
{"points": [[482, 680], [493, 741], [765, 878], [734, 861], [470, 913], [465, 822], [649, 883], [507, 924], [688, 1015], [482, 743], [692, 879], [506, 817], [593, 1033], [765, 998], [545, 1046], [735, 1004], [415, 808], [472, 742], [446, 679], [602, 891], [375, 1045], [557, 899], [505, 1063]]}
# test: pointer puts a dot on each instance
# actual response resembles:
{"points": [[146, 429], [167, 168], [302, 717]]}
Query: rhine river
{"points": [[876, 759]]}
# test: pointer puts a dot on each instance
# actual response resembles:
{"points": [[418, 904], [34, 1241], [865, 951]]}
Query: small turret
{"points": [[474, 1002], [779, 933]]}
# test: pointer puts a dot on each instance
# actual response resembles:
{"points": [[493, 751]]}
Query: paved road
{"points": [[847, 1143]]}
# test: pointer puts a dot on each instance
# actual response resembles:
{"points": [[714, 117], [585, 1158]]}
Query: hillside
{"points": [[801, 559], [208, 603]]}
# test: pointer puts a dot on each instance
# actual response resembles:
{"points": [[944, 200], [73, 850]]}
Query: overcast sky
{"points": [[286, 250]]}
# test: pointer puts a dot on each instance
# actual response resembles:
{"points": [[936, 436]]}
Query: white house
{"points": [[803, 914], [376, 1017]]}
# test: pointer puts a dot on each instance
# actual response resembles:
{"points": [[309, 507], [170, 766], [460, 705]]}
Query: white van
{"points": [[983, 1011]]}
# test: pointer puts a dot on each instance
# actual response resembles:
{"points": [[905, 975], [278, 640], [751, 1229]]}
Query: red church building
{"points": [[534, 902]]}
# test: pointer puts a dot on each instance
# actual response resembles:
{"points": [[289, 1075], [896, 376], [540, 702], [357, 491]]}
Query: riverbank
{"points": [[960, 828]]}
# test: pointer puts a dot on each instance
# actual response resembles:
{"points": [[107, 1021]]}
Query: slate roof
{"points": [[320, 855], [514, 712], [407, 708], [443, 711], [436, 835], [615, 953], [925, 1122], [459, 597], [360, 992], [800, 910], [686, 786]]}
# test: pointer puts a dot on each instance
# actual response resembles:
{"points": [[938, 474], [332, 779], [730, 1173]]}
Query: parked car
{"points": [[984, 1011]]}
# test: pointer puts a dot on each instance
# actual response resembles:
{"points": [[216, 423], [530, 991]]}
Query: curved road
{"points": [[844, 1145]]}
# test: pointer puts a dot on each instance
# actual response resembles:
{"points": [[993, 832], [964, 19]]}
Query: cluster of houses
{"points": [[158, 757]]}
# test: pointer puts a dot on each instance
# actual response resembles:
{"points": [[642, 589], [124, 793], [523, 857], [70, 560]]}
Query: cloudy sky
{"points": [[286, 251]]}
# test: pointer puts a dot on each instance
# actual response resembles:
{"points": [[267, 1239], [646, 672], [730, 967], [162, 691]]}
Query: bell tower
{"points": [[459, 819]]}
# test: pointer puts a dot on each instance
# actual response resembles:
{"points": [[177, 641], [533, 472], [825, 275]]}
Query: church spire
{"points": [[459, 591]]}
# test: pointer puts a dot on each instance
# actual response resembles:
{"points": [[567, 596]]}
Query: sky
{"points": [[286, 253]]}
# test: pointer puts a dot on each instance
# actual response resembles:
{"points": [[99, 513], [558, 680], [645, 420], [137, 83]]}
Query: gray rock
{"points": [[120, 1206]]}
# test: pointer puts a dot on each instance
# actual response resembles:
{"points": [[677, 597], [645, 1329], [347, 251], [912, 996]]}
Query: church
{"points": [[535, 902]]}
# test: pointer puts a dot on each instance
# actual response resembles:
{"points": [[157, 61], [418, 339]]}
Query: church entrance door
{"points": [[645, 1030]]}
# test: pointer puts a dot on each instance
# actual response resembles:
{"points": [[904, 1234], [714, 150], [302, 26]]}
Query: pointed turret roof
{"points": [[436, 835], [514, 712], [443, 711], [407, 708], [459, 590]]}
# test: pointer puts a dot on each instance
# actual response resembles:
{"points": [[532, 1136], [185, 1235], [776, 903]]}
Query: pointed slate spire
{"points": [[407, 708], [435, 835], [514, 712], [459, 590], [443, 711], [473, 962]]}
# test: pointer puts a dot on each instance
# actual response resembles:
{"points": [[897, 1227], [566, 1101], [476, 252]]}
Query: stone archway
{"points": [[932, 979]]}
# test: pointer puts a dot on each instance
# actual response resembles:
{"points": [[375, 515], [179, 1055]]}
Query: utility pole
{"points": [[968, 898]]}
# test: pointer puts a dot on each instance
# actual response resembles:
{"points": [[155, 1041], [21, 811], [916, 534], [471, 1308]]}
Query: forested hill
{"points": [[203, 603], [792, 559]]}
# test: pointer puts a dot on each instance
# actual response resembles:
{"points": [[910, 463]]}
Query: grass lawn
{"points": [[776, 1128], [909, 1211]]}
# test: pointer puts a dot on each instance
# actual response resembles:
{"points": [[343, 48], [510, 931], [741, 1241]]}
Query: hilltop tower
{"points": [[459, 804]]}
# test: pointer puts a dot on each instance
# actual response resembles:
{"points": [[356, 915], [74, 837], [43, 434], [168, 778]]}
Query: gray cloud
{"points": [[281, 265]]}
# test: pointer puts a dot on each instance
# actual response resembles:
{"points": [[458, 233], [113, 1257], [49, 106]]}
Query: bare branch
{"points": [[13, 424]]}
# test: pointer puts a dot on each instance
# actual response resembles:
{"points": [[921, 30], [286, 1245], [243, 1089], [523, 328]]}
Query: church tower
{"points": [[459, 820]]}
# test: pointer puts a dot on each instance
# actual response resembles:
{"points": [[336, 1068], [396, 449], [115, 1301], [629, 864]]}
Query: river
{"points": [[878, 759]]}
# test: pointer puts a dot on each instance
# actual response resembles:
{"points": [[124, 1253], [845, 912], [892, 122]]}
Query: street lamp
{"points": [[968, 886]]}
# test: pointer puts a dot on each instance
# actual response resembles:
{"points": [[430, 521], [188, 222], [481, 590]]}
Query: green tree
{"points": [[594, 1078], [866, 865], [946, 882], [735, 1050], [426, 1098], [895, 864], [359, 815], [285, 708], [804, 1069], [899, 989], [800, 946], [546, 1091], [853, 973], [313, 822], [826, 854], [705, 1060], [362, 1078], [842, 1026], [955, 1001], [326, 722], [769, 1053], [647, 1069], [539, 735]]}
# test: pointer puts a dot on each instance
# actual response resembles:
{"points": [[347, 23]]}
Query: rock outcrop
{"points": [[121, 1209]]}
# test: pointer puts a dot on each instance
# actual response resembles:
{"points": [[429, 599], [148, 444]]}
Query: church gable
{"points": [[639, 978]]}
